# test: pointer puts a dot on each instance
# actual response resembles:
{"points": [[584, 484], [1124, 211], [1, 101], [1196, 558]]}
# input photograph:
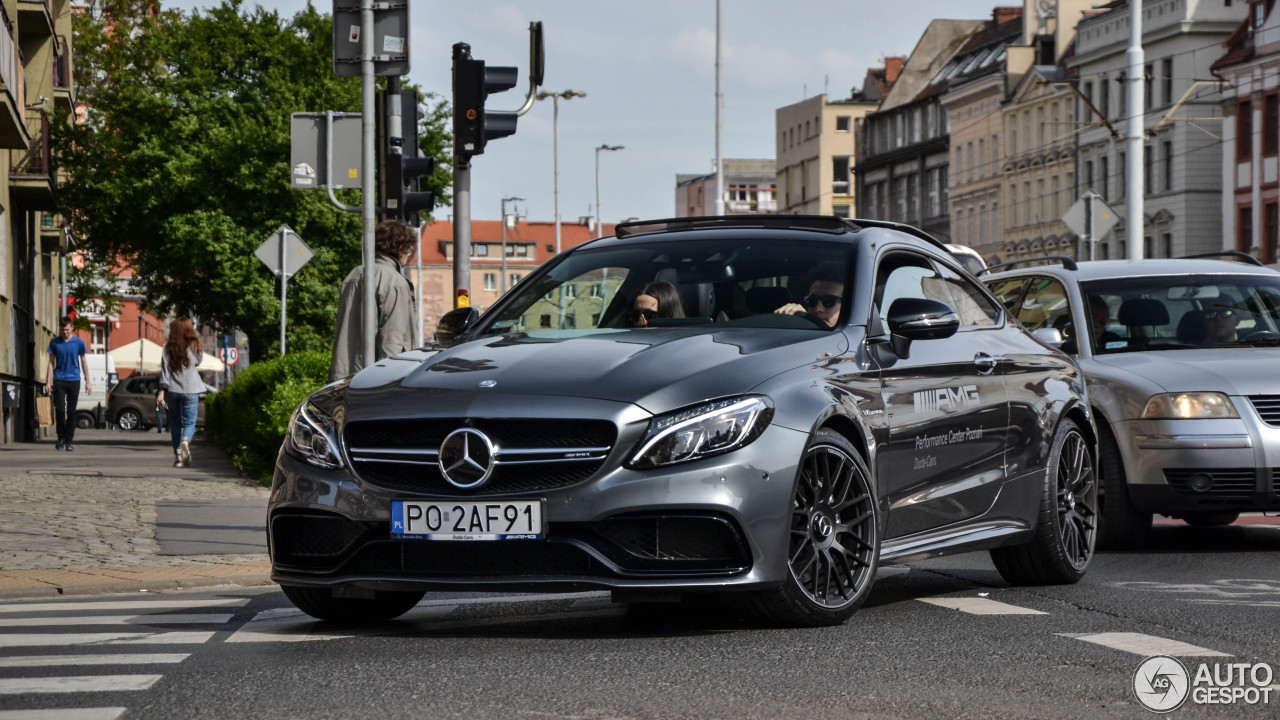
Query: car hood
{"points": [[656, 369], [1235, 371]]}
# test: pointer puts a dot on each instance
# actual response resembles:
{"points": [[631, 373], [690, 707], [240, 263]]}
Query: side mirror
{"points": [[1049, 336], [453, 324], [919, 319]]}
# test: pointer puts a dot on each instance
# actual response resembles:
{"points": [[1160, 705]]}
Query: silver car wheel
{"points": [[129, 420], [833, 549]]}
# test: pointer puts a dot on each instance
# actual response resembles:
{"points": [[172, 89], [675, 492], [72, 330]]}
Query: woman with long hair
{"points": [[180, 386], [656, 300]]}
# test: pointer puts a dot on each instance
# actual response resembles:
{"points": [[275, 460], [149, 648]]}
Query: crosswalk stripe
{"points": [[104, 713], [1145, 645], [159, 619], [122, 605], [981, 606], [77, 683], [113, 659], [116, 638]]}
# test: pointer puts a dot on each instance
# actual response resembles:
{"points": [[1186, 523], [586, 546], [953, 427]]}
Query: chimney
{"points": [[893, 68], [1003, 15]]}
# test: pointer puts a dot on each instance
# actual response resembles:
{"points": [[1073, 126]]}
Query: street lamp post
{"points": [[505, 200], [555, 144], [602, 147]]}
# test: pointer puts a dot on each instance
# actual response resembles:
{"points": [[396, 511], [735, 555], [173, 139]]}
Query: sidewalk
{"points": [[116, 516]]}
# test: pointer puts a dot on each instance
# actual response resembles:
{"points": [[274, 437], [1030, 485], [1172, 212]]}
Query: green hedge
{"points": [[249, 418]]}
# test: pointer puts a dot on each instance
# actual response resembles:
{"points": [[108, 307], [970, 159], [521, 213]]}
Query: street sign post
{"points": [[229, 355], [390, 38], [1090, 218], [284, 253], [320, 159]]}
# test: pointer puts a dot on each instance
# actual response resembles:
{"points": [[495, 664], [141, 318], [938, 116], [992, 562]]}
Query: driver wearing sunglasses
{"points": [[825, 298], [1220, 322]]}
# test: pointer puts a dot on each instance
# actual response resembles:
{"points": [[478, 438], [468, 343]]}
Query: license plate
{"points": [[461, 521]]}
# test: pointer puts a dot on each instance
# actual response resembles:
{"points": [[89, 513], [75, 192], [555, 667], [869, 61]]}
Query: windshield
{"points": [[694, 283], [1183, 311]]}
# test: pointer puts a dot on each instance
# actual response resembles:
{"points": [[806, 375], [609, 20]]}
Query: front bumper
{"points": [[1181, 466], [715, 524]]}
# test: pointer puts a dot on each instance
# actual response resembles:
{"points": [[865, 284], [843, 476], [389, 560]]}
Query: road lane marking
{"points": [[104, 713], [77, 683], [184, 619], [116, 659], [981, 606], [1145, 645], [116, 638], [122, 605]]}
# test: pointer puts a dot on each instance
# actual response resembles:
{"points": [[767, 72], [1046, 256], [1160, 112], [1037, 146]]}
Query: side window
{"points": [[902, 275], [1009, 292], [974, 308], [1045, 306]]}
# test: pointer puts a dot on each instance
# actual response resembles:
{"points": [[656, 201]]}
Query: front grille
{"points": [[1268, 407], [532, 455], [1228, 483]]}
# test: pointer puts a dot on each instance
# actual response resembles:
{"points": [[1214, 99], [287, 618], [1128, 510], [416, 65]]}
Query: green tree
{"points": [[179, 165]]}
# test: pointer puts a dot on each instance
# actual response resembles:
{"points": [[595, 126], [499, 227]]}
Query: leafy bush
{"points": [[249, 418]]}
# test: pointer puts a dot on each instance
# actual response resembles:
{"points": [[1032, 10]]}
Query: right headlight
{"points": [[1188, 406], [702, 431], [312, 437]]}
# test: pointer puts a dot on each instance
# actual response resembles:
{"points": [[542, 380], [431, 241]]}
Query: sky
{"points": [[648, 69]]}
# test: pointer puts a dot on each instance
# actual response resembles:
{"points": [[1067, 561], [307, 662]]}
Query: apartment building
{"points": [[1251, 135], [497, 265], [1182, 168], [816, 155], [903, 149], [750, 189], [35, 79], [976, 90]]}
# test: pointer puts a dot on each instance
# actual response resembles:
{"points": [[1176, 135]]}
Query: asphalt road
{"points": [[940, 639]]}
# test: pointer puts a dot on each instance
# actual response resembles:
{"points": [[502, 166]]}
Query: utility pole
{"points": [[719, 119], [1135, 188]]}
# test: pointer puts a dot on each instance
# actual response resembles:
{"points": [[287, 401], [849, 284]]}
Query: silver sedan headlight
{"points": [[703, 431], [312, 437], [1189, 406]]}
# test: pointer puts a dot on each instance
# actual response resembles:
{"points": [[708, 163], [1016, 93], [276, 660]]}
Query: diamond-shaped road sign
{"points": [[1104, 217], [296, 252]]}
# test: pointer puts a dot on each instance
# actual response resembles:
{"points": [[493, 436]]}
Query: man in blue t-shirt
{"points": [[62, 379]]}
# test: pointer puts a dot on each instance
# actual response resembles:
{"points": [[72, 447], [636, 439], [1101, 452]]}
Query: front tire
{"points": [[321, 604], [1210, 519], [1066, 529], [1121, 526], [834, 536]]}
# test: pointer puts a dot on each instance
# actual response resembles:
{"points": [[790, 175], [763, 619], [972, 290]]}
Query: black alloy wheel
{"points": [[834, 539], [1063, 542]]}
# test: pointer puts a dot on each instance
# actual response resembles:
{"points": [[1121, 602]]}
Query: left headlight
{"points": [[702, 431], [1188, 406], [312, 437]]}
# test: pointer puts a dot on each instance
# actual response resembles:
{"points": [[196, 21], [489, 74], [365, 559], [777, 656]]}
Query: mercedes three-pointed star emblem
{"points": [[466, 458]]}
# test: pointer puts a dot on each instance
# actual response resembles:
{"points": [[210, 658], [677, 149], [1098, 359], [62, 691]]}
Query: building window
{"points": [[936, 188], [1166, 80], [1244, 230], [1054, 191], [1088, 175], [1166, 149], [1166, 240], [1105, 175], [596, 289], [840, 175], [1104, 98], [480, 249], [982, 155], [1147, 162], [1273, 233], [840, 211], [490, 281], [514, 279], [544, 321], [1271, 124], [1148, 87], [1124, 178], [1244, 130], [844, 123], [1013, 205]]}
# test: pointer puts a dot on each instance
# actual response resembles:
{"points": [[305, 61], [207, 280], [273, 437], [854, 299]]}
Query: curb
{"points": [[134, 587]]}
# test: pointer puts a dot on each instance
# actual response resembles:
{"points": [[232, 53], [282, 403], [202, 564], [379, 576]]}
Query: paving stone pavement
{"points": [[85, 521]]}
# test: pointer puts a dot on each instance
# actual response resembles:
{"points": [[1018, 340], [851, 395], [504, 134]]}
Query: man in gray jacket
{"points": [[396, 312]]}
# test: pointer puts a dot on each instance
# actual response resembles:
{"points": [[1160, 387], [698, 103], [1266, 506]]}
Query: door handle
{"points": [[985, 363]]}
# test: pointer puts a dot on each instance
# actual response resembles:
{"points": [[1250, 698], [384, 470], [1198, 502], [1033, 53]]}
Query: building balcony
{"points": [[13, 131], [35, 18], [64, 88], [31, 179]]}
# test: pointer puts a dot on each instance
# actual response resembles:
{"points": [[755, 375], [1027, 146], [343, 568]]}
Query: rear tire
{"points": [[1210, 519], [129, 419], [1122, 526], [84, 421], [321, 604], [1062, 545], [834, 538]]}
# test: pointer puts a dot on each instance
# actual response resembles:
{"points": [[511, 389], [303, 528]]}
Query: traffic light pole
{"points": [[461, 226], [368, 209]]}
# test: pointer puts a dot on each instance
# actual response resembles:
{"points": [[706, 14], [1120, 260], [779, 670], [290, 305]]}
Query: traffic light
{"points": [[405, 175], [473, 127]]}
